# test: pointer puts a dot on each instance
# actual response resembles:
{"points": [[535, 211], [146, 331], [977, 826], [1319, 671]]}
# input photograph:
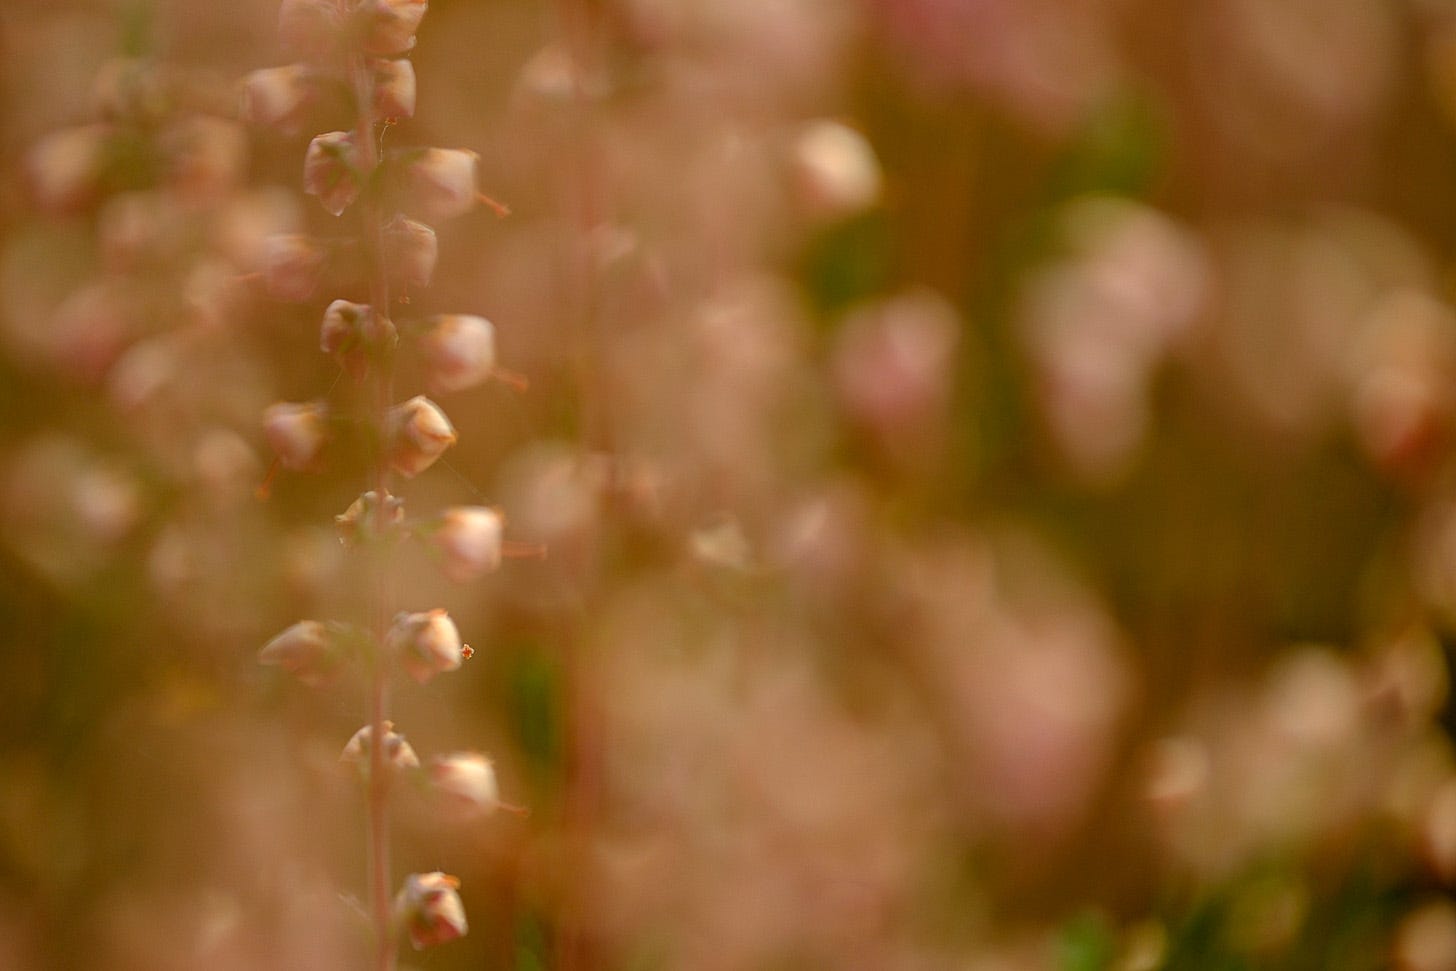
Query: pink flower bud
{"points": [[410, 251], [65, 167], [292, 266], [430, 909], [441, 182], [398, 753], [418, 434], [469, 540], [361, 520], [390, 25], [306, 650], [297, 432], [394, 88], [330, 170], [426, 643], [459, 352], [277, 97], [466, 784]]}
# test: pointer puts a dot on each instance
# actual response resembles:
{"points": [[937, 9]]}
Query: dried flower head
{"points": [[418, 433], [330, 170], [429, 908], [469, 541], [427, 643], [459, 352]]}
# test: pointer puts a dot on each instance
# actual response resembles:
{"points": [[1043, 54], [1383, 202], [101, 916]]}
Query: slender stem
{"points": [[382, 381]]}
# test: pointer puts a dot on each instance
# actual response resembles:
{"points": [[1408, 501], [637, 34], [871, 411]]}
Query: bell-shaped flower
{"points": [[394, 88], [399, 755], [277, 97], [298, 432], [410, 252], [330, 170], [364, 520], [441, 182], [307, 650], [390, 25], [427, 643], [835, 170], [292, 266], [465, 783], [469, 541], [429, 909], [64, 167], [459, 352], [418, 434]]}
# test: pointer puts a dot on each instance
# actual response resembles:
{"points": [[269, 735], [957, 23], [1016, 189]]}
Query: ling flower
{"points": [[399, 755], [429, 908], [459, 352], [469, 541], [466, 784], [277, 97], [410, 252], [394, 88], [307, 650], [292, 266], [330, 170], [418, 433], [390, 25], [427, 643], [441, 182], [297, 432]]}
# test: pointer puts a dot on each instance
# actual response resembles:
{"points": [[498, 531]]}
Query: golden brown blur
{"points": [[995, 462]]}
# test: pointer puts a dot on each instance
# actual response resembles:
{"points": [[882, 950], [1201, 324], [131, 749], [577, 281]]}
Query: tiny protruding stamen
{"points": [[516, 381], [499, 208], [265, 488]]}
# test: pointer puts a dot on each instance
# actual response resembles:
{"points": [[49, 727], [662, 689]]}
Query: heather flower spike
{"points": [[367, 38], [429, 909]]}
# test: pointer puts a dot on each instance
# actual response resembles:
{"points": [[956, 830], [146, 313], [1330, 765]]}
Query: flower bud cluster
{"points": [[361, 46]]}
